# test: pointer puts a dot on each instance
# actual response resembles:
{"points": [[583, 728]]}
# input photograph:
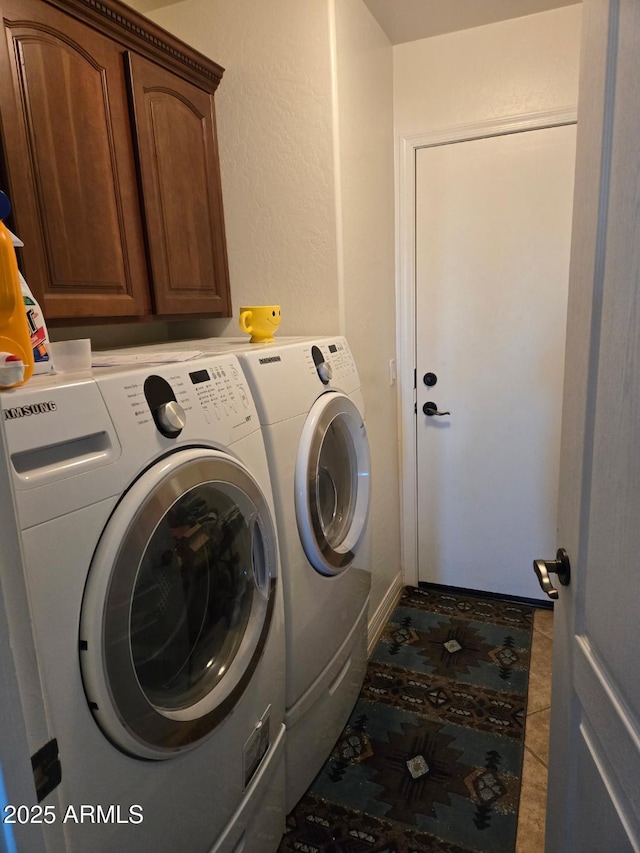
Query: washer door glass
{"points": [[193, 595], [332, 483], [178, 603]]}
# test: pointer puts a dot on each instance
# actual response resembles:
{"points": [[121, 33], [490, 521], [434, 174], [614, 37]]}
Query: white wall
{"points": [[274, 113], [364, 125], [512, 68]]}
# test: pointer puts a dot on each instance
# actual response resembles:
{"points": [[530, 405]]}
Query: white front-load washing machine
{"points": [[145, 507], [307, 393]]}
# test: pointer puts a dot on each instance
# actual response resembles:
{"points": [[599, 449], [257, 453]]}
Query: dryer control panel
{"points": [[338, 355], [287, 378], [332, 360]]}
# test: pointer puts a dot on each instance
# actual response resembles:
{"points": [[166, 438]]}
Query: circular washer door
{"points": [[178, 603], [332, 483]]}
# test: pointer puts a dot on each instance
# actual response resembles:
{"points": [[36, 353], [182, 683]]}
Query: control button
{"points": [[243, 396], [325, 371], [216, 410], [170, 418], [207, 415]]}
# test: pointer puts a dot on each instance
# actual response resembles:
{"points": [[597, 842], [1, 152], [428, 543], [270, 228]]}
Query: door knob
{"points": [[560, 566], [431, 409]]}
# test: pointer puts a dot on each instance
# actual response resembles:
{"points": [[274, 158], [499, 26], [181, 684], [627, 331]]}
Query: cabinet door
{"points": [[70, 163], [180, 173]]}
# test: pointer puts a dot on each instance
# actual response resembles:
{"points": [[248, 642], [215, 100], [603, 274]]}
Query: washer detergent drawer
{"points": [[63, 449]]}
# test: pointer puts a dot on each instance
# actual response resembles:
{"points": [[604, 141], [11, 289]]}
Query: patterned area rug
{"points": [[431, 757]]}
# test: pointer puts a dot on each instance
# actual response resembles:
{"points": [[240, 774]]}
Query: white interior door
{"points": [[594, 772], [493, 225]]}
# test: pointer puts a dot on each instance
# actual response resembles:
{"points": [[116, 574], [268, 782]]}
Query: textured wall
{"points": [[274, 117], [515, 67], [364, 65]]}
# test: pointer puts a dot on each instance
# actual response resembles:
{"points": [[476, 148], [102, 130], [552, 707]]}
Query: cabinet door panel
{"points": [[71, 167], [175, 131]]}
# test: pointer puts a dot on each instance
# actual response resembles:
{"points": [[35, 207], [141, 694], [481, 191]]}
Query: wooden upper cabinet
{"points": [[70, 164], [179, 168], [110, 155]]}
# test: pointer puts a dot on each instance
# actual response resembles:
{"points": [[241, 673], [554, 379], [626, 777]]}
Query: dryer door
{"points": [[332, 483], [178, 603]]}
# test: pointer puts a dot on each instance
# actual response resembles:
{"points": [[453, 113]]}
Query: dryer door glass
{"points": [[336, 485], [178, 603], [332, 483]]}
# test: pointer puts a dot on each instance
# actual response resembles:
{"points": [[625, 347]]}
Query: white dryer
{"points": [[307, 393], [151, 560], [308, 397]]}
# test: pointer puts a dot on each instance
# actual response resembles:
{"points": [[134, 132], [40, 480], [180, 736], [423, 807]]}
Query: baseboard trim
{"points": [[385, 609], [498, 596]]}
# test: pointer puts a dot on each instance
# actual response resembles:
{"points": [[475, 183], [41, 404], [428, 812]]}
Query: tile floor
{"points": [[533, 794]]}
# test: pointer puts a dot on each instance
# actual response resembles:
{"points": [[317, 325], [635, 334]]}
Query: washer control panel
{"points": [[182, 399], [61, 428], [221, 391]]}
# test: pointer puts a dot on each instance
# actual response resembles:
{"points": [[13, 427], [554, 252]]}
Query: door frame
{"points": [[406, 295]]}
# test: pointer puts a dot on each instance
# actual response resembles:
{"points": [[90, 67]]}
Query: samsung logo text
{"points": [[27, 411]]}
